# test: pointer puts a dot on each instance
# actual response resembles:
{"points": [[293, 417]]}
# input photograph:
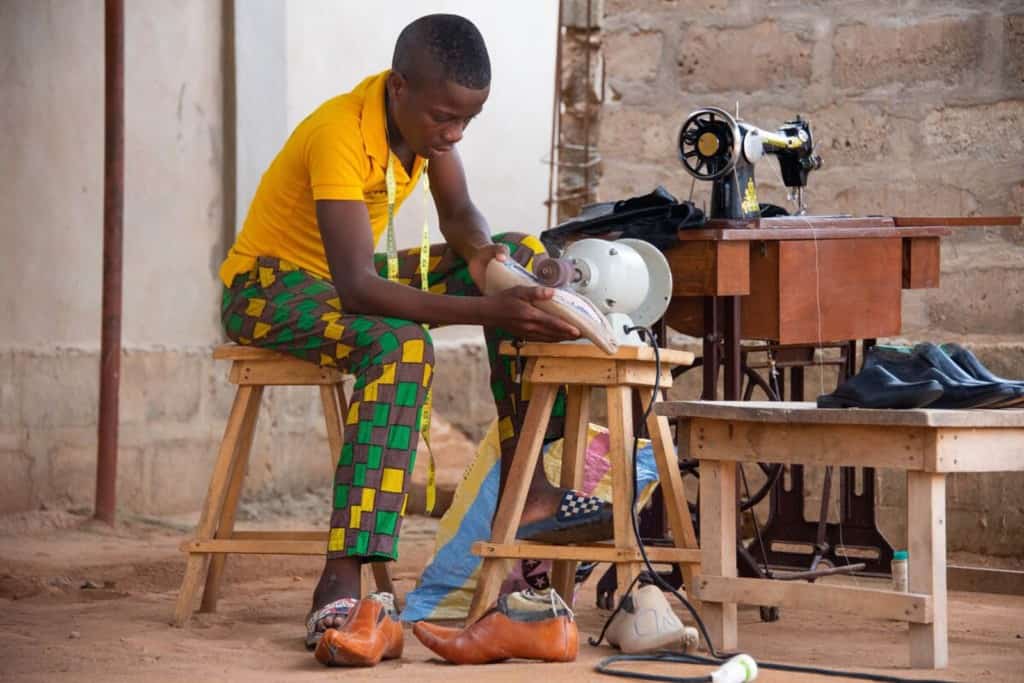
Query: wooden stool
{"points": [[583, 367], [252, 369]]}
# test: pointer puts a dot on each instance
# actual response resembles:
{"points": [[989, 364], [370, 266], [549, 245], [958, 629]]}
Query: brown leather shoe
{"points": [[371, 633], [525, 625]]}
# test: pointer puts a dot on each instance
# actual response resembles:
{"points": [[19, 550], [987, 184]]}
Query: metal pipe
{"points": [[113, 223], [556, 117]]}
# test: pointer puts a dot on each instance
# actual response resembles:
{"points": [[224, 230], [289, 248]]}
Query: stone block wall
{"points": [[174, 407], [917, 109]]}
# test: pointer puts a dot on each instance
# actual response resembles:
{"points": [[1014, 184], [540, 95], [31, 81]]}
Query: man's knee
{"points": [[417, 345]]}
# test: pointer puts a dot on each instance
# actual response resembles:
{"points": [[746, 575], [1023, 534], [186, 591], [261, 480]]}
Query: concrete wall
{"points": [[51, 198], [917, 108], [174, 398]]}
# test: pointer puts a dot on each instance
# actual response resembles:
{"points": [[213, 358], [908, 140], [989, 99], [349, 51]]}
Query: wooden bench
{"points": [[253, 369], [927, 444]]}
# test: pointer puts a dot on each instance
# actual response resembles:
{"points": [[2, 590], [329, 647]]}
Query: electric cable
{"points": [[717, 658]]}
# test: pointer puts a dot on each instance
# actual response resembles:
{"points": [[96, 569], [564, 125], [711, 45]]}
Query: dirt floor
{"points": [[82, 602]]}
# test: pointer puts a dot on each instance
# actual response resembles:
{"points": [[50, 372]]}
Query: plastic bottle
{"points": [[740, 669], [900, 560]]}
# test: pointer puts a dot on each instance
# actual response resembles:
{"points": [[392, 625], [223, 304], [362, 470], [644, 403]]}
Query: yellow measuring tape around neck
{"points": [[392, 255]]}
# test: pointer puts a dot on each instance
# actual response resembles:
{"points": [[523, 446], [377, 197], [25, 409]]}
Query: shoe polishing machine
{"points": [[604, 288]]}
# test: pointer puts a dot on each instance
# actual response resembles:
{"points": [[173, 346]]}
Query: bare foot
{"points": [[340, 579]]}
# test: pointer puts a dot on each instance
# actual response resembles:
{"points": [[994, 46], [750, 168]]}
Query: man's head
{"points": [[440, 79]]}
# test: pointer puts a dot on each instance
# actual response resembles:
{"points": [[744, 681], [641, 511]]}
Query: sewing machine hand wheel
{"points": [[709, 143]]}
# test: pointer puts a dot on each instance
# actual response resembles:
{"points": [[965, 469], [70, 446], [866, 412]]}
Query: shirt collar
{"points": [[373, 124]]}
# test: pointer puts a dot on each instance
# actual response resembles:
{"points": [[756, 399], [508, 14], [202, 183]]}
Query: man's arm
{"points": [[348, 241], [462, 224]]}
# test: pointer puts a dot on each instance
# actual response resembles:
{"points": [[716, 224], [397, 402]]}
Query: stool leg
{"points": [[678, 511], [620, 434], [333, 416], [577, 418], [214, 503], [227, 515], [513, 496]]}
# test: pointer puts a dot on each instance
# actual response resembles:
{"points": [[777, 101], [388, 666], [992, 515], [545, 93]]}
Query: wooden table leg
{"points": [[513, 497], [574, 449], [718, 545], [926, 542]]}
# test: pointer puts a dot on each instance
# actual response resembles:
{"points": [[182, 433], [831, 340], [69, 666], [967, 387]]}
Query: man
{"points": [[303, 278]]}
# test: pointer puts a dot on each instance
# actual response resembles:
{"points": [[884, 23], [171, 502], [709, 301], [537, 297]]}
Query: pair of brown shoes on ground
{"points": [[525, 625]]}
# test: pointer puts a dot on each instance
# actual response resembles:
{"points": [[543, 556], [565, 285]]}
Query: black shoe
{"points": [[970, 364], [928, 362], [875, 387]]}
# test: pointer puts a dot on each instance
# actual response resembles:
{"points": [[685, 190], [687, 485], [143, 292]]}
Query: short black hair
{"points": [[452, 45]]}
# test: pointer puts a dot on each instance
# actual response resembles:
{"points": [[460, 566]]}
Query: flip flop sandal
{"points": [[338, 608], [579, 519]]}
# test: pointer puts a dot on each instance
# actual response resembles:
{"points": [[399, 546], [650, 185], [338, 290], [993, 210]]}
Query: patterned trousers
{"points": [[279, 306]]}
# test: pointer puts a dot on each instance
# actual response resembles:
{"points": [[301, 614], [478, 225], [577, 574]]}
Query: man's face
{"points": [[432, 116]]}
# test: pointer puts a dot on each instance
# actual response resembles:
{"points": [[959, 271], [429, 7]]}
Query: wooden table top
{"points": [[792, 412]]}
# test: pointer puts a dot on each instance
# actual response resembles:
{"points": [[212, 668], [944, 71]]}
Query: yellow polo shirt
{"points": [[340, 151]]}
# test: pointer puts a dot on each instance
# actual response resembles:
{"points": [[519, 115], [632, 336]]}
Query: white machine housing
{"points": [[629, 280]]}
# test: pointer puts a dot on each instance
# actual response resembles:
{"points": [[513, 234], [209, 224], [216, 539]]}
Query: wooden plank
{"points": [[574, 450], [760, 312], [864, 602], [281, 373], [513, 495], [297, 535], [982, 221], [810, 233], [240, 352], [806, 412], [985, 580], [831, 291], [921, 258], [809, 444], [926, 543], [709, 268], [255, 546], [589, 371], [985, 449], [718, 546], [638, 373], [620, 457], [587, 350], [582, 553]]}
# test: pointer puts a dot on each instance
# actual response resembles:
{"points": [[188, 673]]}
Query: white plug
{"points": [[740, 669]]}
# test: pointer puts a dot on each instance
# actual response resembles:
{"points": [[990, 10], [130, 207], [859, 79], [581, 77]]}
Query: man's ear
{"points": [[397, 85]]}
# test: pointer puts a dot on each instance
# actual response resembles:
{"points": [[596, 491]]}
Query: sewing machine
{"points": [[715, 146]]}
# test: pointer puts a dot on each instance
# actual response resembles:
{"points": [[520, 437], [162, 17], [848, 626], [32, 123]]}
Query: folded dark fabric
{"points": [[875, 387], [656, 217]]}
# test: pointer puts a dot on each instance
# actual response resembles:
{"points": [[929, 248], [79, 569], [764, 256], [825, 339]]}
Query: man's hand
{"points": [[481, 257], [513, 310]]}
